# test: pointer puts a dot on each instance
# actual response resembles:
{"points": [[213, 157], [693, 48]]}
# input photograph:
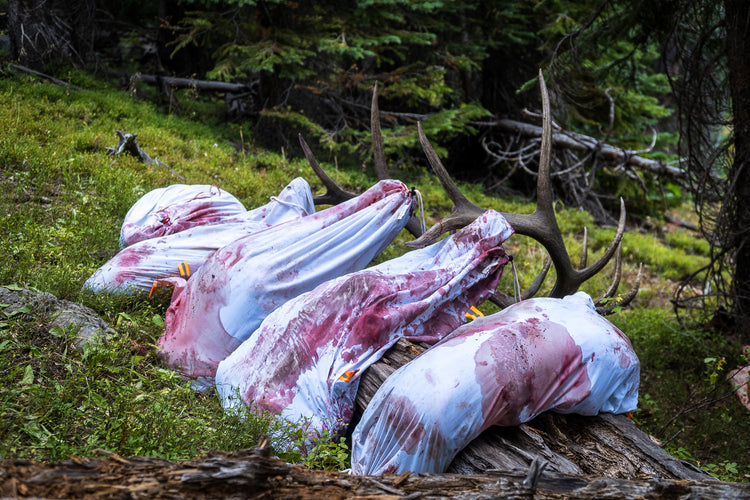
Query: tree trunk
{"points": [[42, 31], [14, 29], [607, 445], [738, 56]]}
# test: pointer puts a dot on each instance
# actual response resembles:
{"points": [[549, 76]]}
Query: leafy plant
{"points": [[327, 453], [725, 471]]}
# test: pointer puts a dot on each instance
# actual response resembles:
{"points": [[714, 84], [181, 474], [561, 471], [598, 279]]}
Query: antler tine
{"points": [[378, 149], [464, 212], [504, 300], [334, 193], [615, 281], [542, 223], [414, 226], [609, 307], [633, 291]]}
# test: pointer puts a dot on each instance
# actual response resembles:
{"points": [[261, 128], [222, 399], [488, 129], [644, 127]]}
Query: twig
{"points": [[45, 76], [697, 406]]}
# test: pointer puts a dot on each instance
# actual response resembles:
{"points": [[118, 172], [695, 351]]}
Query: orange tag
{"points": [[347, 376], [184, 271], [474, 316], [153, 287]]}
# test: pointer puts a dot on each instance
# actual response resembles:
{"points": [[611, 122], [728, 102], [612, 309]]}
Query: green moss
{"points": [[660, 258], [690, 243]]}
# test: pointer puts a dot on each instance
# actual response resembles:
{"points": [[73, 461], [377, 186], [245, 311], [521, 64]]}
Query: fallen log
{"points": [[256, 474], [584, 143], [607, 446], [587, 457], [208, 85]]}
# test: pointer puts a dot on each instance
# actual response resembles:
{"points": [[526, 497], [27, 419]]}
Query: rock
{"points": [[57, 313]]}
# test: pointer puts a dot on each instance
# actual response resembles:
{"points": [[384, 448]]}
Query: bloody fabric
{"points": [[504, 369], [135, 268], [243, 282], [175, 208], [306, 358], [740, 380]]}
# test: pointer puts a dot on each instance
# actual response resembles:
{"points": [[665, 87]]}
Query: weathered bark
{"points": [[255, 474], [607, 445], [738, 56]]}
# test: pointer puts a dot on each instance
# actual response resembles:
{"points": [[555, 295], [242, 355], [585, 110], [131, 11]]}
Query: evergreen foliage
{"points": [[315, 63]]}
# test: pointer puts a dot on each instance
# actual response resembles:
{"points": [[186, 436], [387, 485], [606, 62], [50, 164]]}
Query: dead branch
{"points": [[129, 143], [208, 85], [24, 69], [254, 473], [584, 143]]}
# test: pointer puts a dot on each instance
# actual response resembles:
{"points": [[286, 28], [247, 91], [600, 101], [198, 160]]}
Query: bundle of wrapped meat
{"points": [[504, 369], [175, 208], [135, 268], [243, 282], [306, 358]]}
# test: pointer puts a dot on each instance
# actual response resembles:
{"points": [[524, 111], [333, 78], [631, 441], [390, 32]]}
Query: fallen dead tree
{"points": [[256, 474], [583, 143]]}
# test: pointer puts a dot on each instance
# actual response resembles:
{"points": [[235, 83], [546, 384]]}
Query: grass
{"points": [[60, 214]]}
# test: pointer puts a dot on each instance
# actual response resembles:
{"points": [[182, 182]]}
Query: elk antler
{"points": [[378, 150], [540, 225], [334, 193]]}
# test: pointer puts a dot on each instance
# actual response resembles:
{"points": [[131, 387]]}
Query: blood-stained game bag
{"points": [[306, 358], [174, 208], [135, 269], [240, 284], [504, 369]]}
